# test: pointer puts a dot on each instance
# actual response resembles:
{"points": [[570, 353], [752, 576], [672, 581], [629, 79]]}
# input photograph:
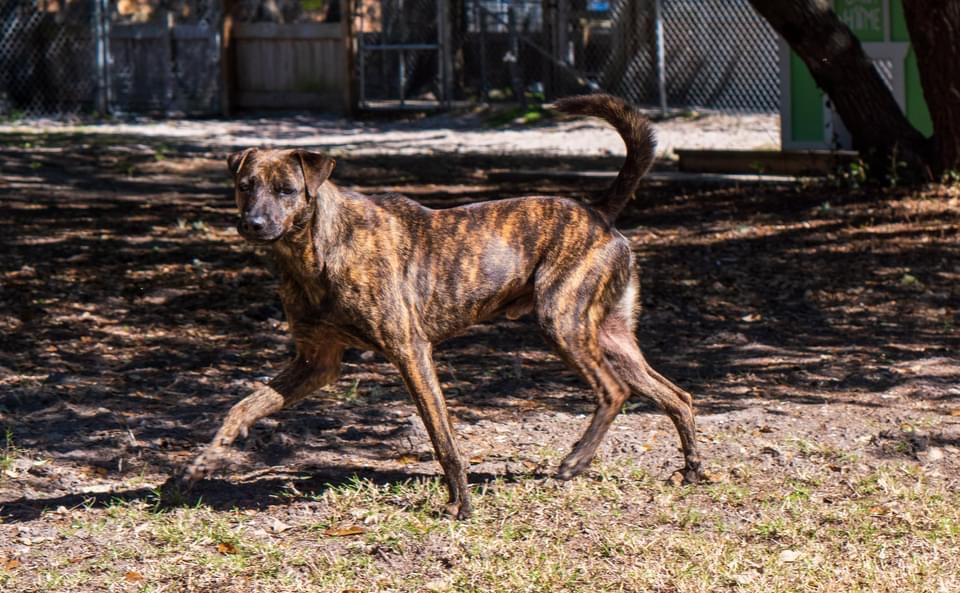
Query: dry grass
{"points": [[832, 525]]}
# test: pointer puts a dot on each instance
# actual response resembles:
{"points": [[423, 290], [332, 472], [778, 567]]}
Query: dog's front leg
{"points": [[420, 376], [308, 372]]}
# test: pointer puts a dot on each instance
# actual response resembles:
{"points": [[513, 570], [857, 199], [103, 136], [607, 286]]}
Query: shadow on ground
{"points": [[133, 315]]}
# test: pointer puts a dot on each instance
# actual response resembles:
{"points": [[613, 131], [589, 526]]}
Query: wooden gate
{"points": [[291, 66], [165, 68]]}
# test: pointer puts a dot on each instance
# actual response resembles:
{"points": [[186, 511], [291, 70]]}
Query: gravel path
{"points": [[436, 134]]}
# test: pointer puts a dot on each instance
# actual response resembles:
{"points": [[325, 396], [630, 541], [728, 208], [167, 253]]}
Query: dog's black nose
{"points": [[255, 223]]}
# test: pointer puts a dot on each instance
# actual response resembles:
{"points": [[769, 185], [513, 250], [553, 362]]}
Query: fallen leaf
{"points": [[530, 465], [226, 548], [751, 317], [710, 477], [407, 459], [10, 564], [789, 556], [278, 526], [955, 412], [133, 577], [439, 585], [878, 510], [343, 531], [477, 459]]}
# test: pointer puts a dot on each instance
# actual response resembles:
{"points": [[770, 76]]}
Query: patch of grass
{"points": [[199, 227], [518, 116], [615, 529], [13, 116], [8, 453], [161, 152]]}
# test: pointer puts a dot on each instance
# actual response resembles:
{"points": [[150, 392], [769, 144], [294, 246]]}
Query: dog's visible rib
{"points": [[387, 274], [637, 135]]}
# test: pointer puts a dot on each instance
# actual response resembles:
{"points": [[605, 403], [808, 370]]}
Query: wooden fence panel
{"points": [[158, 68], [141, 78], [291, 66], [196, 69]]}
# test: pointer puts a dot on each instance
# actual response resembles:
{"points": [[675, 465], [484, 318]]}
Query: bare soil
{"points": [[802, 317]]}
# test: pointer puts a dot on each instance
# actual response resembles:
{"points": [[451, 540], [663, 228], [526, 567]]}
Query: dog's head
{"points": [[275, 189]]}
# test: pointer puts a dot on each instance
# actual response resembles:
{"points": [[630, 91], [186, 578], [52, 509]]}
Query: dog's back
{"points": [[474, 262]]}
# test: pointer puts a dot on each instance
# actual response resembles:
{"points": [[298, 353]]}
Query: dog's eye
{"points": [[286, 190], [243, 186]]}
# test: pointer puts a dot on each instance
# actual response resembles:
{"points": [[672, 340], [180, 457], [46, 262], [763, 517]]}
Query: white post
{"points": [[661, 68], [102, 22]]}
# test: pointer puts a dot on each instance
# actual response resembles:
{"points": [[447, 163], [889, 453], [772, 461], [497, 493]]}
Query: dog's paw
{"points": [[571, 467], [459, 510], [689, 475], [200, 468]]}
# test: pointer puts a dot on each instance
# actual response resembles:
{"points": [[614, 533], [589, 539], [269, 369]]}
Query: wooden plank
{"points": [[275, 31], [148, 31], [228, 59], [348, 80], [323, 101], [244, 64], [195, 67], [786, 162], [291, 70], [190, 31]]}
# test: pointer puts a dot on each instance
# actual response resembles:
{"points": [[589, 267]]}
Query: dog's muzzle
{"points": [[258, 228]]}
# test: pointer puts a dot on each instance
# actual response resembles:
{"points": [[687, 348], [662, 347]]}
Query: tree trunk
{"points": [[934, 27], [835, 58]]}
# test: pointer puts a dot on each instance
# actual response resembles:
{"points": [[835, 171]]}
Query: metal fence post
{"points": [[445, 52], [101, 16], [660, 51], [513, 58], [484, 83]]}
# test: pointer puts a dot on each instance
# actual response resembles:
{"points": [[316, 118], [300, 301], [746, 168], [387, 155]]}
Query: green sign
{"points": [[864, 17]]}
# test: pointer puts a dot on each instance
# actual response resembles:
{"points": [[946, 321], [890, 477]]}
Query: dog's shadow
{"points": [[274, 489]]}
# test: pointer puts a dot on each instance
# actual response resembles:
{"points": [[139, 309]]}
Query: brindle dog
{"points": [[384, 273]]}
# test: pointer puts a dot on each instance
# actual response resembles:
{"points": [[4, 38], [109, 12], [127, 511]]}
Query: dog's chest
{"points": [[314, 316]]}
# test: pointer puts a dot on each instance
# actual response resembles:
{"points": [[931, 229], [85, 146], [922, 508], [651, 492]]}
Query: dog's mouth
{"points": [[259, 236]]}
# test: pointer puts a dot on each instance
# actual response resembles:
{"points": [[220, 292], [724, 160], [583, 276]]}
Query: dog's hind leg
{"points": [[569, 319], [611, 395], [621, 350], [309, 371]]}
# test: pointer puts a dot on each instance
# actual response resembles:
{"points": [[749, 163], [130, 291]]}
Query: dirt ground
{"points": [[817, 327], [459, 133]]}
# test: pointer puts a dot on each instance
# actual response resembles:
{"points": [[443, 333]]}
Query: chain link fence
{"points": [[49, 57], [68, 56], [399, 52], [713, 54]]}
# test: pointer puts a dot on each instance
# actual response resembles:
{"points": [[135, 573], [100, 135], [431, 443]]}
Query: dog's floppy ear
{"points": [[316, 169], [236, 160]]}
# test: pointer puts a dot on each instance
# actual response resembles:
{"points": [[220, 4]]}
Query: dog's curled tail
{"points": [[637, 135]]}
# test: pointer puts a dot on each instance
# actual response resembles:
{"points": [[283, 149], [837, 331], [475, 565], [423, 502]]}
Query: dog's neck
{"points": [[304, 252]]}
